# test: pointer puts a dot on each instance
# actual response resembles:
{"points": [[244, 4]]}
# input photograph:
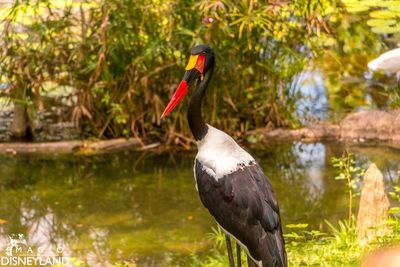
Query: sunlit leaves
{"points": [[298, 226], [248, 15], [385, 14], [380, 22], [386, 29]]}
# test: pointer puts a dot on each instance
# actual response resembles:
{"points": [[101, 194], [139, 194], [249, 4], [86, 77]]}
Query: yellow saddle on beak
{"points": [[192, 62]]}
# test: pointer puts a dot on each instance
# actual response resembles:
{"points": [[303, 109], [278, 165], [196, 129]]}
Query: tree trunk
{"points": [[20, 128], [374, 207]]}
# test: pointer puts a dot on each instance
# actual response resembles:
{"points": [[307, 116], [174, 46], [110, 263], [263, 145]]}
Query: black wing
{"points": [[244, 204]]}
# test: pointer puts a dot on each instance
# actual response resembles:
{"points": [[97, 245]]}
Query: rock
{"points": [[359, 127], [374, 207], [37, 126], [383, 257], [371, 125]]}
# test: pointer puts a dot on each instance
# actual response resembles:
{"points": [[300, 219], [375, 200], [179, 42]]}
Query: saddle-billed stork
{"points": [[231, 184]]}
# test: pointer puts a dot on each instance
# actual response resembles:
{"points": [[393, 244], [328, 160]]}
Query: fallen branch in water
{"points": [[66, 147]]}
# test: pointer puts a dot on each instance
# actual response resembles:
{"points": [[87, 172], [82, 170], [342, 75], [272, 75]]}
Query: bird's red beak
{"points": [[194, 70], [176, 98]]}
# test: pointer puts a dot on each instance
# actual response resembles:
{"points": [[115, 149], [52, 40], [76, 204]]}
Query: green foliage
{"points": [[123, 59], [344, 234], [217, 236], [313, 248], [349, 172], [384, 14], [305, 247], [124, 264], [344, 62], [395, 194]]}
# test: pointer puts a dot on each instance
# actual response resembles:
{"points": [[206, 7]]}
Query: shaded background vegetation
{"points": [[120, 60]]}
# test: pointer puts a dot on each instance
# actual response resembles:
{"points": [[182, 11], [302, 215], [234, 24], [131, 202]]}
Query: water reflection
{"points": [[312, 158], [313, 103], [144, 207], [313, 86]]}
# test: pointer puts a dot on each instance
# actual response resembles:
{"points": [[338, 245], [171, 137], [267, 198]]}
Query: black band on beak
{"points": [[191, 76]]}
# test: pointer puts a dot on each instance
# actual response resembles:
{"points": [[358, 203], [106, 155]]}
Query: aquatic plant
{"points": [[349, 172]]}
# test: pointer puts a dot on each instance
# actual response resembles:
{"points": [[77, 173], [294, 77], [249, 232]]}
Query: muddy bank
{"points": [[360, 127]]}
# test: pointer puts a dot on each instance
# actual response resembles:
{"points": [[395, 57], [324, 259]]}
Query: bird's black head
{"points": [[207, 52], [201, 63]]}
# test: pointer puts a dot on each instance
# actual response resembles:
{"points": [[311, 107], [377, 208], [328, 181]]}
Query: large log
{"points": [[374, 207], [64, 147]]}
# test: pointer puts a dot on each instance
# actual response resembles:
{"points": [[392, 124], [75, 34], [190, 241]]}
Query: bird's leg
{"points": [[239, 260], [229, 247], [250, 262]]}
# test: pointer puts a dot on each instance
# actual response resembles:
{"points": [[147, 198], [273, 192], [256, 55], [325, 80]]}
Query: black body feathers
{"points": [[244, 204]]}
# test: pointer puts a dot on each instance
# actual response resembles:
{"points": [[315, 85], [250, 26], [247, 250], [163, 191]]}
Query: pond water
{"points": [[144, 207]]}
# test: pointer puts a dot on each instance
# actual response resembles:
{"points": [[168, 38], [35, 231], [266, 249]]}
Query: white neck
{"points": [[220, 155]]}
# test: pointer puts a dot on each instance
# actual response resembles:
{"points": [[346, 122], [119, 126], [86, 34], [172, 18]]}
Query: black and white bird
{"points": [[231, 184]]}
